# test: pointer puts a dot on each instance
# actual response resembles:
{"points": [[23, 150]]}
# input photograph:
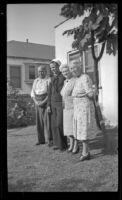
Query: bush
{"points": [[20, 109]]}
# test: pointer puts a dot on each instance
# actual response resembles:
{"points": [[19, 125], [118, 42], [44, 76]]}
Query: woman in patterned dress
{"points": [[66, 93], [84, 121]]}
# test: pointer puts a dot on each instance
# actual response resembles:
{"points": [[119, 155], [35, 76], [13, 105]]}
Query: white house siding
{"points": [[109, 83], [63, 43], [25, 87], [107, 68]]}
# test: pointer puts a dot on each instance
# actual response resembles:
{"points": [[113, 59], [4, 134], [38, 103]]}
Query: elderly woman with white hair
{"points": [[66, 93], [84, 121]]}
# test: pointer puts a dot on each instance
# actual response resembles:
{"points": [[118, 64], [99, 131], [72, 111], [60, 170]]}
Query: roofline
{"points": [[31, 43], [61, 23], [17, 57]]}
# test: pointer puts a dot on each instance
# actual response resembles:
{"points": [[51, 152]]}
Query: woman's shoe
{"points": [[86, 157], [69, 149], [75, 151]]}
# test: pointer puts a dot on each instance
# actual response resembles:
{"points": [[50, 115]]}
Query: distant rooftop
{"points": [[30, 50]]}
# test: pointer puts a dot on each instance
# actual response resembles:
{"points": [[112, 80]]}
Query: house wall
{"points": [[63, 43], [25, 86], [108, 72], [109, 83]]}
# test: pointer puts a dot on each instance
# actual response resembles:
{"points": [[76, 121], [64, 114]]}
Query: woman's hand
{"points": [[83, 92], [48, 109], [90, 94]]}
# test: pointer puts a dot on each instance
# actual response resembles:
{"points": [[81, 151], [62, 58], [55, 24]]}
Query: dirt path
{"points": [[34, 168]]}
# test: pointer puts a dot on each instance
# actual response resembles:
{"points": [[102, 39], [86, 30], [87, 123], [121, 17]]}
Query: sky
{"points": [[34, 22]]}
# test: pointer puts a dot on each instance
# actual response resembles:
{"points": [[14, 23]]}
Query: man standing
{"points": [[55, 106], [39, 95]]}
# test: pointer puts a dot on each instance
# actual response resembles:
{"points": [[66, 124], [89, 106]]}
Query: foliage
{"points": [[99, 25], [20, 108]]}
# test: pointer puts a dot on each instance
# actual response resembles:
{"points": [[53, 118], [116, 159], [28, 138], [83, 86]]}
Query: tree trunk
{"points": [[96, 78]]}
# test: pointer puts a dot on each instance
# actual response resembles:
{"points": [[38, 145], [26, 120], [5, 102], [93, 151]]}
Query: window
{"points": [[32, 73], [87, 61], [75, 56], [15, 76]]}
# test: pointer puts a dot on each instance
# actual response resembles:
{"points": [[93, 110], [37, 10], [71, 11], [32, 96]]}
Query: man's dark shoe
{"points": [[62, 150], [38, 143], [50, 144], [55, 148]]}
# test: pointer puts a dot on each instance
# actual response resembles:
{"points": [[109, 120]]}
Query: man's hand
{"points": [[36, 102]]}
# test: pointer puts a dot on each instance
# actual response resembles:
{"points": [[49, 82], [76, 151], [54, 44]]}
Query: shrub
{"points": [[20, 108]]}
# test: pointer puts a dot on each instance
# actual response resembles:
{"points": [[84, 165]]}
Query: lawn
{"points": [[34, 168]]}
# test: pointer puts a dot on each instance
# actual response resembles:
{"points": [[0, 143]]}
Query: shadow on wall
{"points": [[108, 143]]}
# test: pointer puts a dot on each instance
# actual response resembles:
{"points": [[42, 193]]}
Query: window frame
{"points": [[84, 66]]}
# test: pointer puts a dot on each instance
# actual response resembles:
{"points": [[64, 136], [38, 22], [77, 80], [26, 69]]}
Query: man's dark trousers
{"points": [[59, 140]]}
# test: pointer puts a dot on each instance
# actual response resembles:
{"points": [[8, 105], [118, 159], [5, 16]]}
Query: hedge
{"points": [[20, 110]]}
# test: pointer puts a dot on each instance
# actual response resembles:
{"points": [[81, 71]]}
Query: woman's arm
{"points": [[87, 82]]}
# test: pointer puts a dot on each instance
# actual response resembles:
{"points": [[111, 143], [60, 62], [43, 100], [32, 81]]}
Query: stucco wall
{"points": [[109, 83], [108, 70], [63, 44]]}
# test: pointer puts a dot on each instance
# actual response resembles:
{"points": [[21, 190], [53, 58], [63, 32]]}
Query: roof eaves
{"points": [[61, 23]]}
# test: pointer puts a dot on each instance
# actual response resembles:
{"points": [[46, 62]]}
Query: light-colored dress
{"points": [[84, 121], [66, 93]]}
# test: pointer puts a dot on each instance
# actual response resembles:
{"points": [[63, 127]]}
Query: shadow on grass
{"points": [[20, 186], [73, 185]]}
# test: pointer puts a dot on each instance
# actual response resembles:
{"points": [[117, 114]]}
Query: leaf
{"points": [[97, 21], [75, 44], [94, 26]]}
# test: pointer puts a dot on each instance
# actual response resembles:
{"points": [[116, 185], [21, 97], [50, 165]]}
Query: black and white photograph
{"points": [[62, 97]]}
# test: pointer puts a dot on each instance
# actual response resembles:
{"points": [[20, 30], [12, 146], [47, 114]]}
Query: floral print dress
{"points": [[84, 121]]}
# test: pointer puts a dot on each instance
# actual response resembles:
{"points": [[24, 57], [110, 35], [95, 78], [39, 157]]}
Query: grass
{"points": [[34, 168]]}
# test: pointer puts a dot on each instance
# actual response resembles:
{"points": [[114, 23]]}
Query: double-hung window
{"points": [[32, 72]]}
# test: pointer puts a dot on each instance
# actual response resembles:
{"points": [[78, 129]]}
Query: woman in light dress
{"points": [[66, 93], [84, 121]]}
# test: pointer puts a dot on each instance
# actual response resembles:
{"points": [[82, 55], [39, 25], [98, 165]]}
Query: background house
{"points": [[108, 68], [23, 58]]}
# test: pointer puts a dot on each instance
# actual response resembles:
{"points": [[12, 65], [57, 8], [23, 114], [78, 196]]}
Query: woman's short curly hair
{"points": [[62, 66]]}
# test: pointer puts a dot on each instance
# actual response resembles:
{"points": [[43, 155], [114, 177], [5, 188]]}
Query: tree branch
{"points": [[102, 50]]}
